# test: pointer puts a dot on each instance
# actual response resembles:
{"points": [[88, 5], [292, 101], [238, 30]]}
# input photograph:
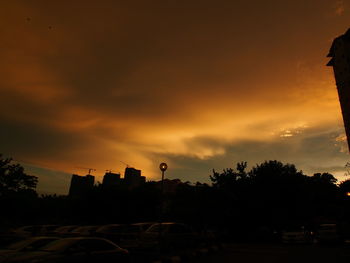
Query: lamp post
{"points": [[162, 167]]}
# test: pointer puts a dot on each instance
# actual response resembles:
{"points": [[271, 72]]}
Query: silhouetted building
{"points": [[80, 185], [111, 179], [340, 54], [133, 178]]}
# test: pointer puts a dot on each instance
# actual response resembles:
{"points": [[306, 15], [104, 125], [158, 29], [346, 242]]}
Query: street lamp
{"points": [[162, 167]]}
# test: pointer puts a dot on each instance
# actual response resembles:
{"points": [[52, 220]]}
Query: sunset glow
{"points": [[194, 85]]}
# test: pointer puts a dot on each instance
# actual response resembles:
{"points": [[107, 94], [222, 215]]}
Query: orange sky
{"points": [[199, 85]]}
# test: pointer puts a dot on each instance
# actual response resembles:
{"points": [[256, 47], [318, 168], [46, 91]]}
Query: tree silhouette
{"points": [[13, 179]]}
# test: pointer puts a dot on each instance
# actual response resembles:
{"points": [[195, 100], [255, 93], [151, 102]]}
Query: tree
{"points": [[229, 177], [13, 179]]}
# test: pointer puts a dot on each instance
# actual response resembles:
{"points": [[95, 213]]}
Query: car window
{"points": [[59, 245]]}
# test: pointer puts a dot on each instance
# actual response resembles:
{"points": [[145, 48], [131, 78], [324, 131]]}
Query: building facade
{"points": [[80, 185], [340, 61]]}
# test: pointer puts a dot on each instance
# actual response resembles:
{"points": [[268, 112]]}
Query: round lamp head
{"points": [[163, 167]]}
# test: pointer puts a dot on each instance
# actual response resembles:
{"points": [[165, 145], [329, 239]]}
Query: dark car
{"points": [[114, 232], [127, 236], [77, 249], [24, 246], [34, 230], [171, 235]]}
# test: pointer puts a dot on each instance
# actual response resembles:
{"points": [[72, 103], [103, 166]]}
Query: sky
{"points": [[200, 85]]}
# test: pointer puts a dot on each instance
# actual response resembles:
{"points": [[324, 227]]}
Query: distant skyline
{"points": [[196, 84]]}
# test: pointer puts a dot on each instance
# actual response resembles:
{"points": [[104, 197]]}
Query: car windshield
{"points": [[58, 245]]}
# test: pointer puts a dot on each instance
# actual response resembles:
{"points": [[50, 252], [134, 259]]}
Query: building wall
{"points": [[340, 54], [80, 185]]}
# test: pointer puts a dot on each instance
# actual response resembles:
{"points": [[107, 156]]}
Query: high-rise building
{"points": [[111, 179], [133, 178], [80, 185], [340, 54]]}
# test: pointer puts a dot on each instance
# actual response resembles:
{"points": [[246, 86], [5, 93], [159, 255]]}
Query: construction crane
{"points": [[127, 166], [89, 169]]}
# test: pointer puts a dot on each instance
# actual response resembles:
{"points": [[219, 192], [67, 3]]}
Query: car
{"points": [[170, 235], [127, 236], [76, 249], [27, 231], [328, 233], [112, 231], [24, 246], [34, 230], [296, 235]]}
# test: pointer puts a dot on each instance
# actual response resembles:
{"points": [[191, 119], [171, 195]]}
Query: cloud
{"points": [[167, 80], [339, 8], [305, 151]]}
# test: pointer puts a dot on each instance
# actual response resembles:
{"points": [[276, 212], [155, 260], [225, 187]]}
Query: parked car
{"points": [[34, 230], [170, 235], [128, 236], [76, 250], [27, 231], [24, 246], [328, 233], [297, 235]]}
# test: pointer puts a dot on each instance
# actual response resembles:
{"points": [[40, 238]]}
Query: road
{"points": [[259, 253]]}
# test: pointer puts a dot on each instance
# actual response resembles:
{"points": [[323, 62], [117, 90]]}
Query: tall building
{"points": [[80, 185], [133, 178], [111, 179], [340, 61]]}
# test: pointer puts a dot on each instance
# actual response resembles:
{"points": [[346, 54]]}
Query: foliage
{"points": [[13, 178]]}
